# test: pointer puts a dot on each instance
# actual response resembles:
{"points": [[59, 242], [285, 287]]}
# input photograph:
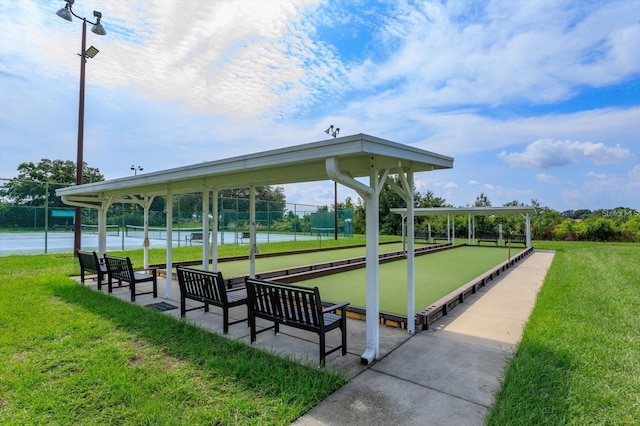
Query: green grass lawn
{"points": [[579, 359], [73, 355]]}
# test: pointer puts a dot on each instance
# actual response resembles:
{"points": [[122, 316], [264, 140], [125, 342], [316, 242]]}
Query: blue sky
{"points": [[534, 99]]}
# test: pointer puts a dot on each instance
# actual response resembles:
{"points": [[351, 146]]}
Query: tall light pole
{"points": [[136, 169], [65, 13]]}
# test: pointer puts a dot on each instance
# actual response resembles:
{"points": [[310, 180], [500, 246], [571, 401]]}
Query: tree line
{"points": [[35, 186]]}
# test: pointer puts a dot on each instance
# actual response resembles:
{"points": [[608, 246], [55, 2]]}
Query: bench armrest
{"points": [[335, 307]]}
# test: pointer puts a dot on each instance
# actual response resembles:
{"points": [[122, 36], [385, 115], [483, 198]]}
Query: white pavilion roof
{"points": [[356, 156]]}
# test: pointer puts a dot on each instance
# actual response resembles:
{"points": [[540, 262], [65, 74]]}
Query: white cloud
{"points": [[240, 59], [596, 175], [545, 177], [546, 153], [451, 53], [442, 76]]}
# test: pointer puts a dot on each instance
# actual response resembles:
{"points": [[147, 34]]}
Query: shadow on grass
{"points": [[254, 369], [522, 400]]}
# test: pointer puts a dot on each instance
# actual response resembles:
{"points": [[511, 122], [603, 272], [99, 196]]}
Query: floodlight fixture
{"points": [[97, 27], [91, 52], [65, 12]]}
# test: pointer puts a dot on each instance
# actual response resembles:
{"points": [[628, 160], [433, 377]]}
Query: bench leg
{"points": [[323, 344], [343, 330], [183, 307], [252, 325], [132, 286], [225, 320]]}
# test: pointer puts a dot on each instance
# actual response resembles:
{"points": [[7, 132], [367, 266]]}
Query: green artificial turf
{"points": [[436, 275], [241, 267]]}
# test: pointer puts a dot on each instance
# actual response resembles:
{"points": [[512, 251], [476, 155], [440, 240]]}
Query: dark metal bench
{"points": [[487, 238], [194, 236], [295, 306], [442, 237], [92, 264], [517, 239], [244, 235], [209, 288], [121, 269], [421, 235]]}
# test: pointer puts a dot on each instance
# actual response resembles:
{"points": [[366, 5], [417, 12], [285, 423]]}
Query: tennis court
{"points": [[62, 241]]}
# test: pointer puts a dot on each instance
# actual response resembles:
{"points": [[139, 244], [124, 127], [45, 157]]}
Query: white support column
{"points": [[411, 287], [449, 229], [252, 232], [406, 192], [453, 232], [370, 195], [169, 258], [145, 222], [474, 228], [405, 233], [469, 229], [205, 229], [372, 350], [528, 229], [102, 228], [214, 231]]}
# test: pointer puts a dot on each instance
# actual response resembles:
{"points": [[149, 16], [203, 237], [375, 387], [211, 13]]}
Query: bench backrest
{"points": [[206, 284], [285, 302], [89, 261], [196, 235], [119, 267]]}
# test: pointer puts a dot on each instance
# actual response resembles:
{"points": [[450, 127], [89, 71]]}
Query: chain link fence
{"points": [[34, 220]]}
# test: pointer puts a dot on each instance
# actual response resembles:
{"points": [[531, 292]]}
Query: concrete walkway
{"points": [[445, 375]]}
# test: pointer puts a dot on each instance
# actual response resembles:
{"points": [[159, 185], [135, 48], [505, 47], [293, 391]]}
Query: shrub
{"points": [[600, 229]]}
